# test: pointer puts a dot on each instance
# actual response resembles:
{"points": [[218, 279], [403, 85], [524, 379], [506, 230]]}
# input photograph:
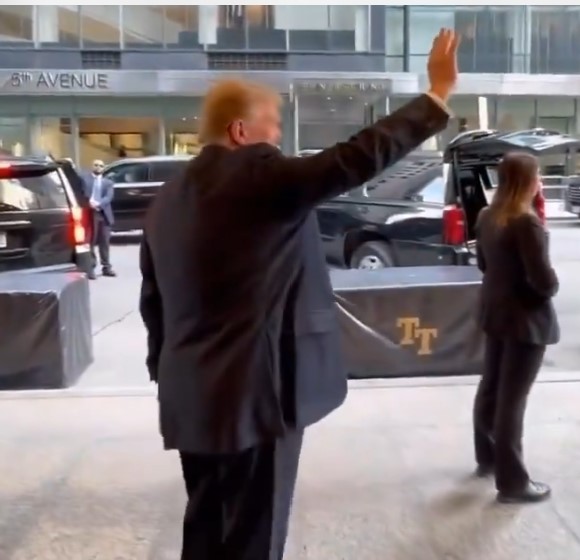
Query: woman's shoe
{"points": [[532, 493]]}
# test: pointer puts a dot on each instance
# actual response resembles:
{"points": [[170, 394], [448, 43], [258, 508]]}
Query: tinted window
{"points": [[32, 193], [434, 191], [49, 188], [162, 171], [129, 173]]}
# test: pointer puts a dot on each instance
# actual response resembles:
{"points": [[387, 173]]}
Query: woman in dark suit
{"points": [[519, 320]]}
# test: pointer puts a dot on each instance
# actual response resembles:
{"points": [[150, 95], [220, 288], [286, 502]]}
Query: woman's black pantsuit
{"points": [[519, 320]]}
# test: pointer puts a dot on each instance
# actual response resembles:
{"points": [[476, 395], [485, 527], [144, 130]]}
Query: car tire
{"points": [[372, 255]]}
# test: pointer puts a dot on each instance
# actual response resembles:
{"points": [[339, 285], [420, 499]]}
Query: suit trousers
{"points": [[239, 505], [511, 368], [101, 240]]}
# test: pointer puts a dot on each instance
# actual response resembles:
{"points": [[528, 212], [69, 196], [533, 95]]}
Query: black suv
{"points": [[422, 211], [42, 222], [137, 181], [472, 159]]}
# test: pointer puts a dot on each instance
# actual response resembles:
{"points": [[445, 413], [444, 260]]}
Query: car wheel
{"points": [[372, 255]]}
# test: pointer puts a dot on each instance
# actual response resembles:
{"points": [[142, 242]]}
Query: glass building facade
{"points": [[86, 81]]}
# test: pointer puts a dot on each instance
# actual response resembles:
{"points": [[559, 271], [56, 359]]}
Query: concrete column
{"points": [[76, 139], [362, 28], [161, 140], [296, 124], [482, 113], [207, 24], [45, 24], [289, 132]]}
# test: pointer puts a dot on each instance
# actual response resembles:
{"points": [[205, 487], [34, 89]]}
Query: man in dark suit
{"points": [[238, 305], [100, 192]]}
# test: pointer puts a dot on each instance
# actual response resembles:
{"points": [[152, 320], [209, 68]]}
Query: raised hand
{"points": [[442, 63]]}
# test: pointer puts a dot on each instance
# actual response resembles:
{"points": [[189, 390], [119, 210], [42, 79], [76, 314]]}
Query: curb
{"points": [[546, 377]]}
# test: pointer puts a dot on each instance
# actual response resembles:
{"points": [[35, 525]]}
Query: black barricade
{"points": [[401, 322], [45, 329]]}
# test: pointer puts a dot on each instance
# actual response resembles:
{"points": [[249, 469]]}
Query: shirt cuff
{"points": [[441, 103]]}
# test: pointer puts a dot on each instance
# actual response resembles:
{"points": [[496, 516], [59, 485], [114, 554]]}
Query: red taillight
{"points": [[540, 206], [5, 170], [79, 226], [453, 225]]}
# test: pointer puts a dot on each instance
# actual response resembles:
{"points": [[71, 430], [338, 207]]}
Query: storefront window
{"points": [[52, 135], [558, 114], [515, 113], [182, 136], [13, 135], [112, 138], [324, 120]]}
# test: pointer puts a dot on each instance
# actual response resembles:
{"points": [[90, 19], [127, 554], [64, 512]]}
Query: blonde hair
{"points": [[517, 175], [228, 101]]}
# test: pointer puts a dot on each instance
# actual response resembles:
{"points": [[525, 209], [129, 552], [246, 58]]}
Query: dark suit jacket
{"points": [[107, 195], [236, 297], [518, 280]]}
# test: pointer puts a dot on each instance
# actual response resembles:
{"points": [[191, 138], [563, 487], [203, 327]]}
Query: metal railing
{"points": [[555, 189]]}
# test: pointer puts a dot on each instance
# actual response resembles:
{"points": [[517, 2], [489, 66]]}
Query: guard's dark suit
{"points": [[519, 318], [243, 340]]}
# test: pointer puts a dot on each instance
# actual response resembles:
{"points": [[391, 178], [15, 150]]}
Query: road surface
{"points": [[120, 338]]}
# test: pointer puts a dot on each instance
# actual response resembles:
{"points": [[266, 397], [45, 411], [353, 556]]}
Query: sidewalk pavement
{"points": [[387, 477]]}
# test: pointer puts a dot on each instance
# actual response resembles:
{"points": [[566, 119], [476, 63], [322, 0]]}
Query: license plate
{"points": [[3, 240]]}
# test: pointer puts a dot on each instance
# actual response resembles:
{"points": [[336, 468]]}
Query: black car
{"points": [[393, 220], [423, 210], [137, 181], [42, 223]]}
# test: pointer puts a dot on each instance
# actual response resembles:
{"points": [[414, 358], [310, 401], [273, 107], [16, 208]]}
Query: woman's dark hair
{"points": [[517, 180]]}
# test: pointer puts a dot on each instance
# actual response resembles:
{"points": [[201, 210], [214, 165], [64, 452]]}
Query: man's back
{"points": [[238, 278]]}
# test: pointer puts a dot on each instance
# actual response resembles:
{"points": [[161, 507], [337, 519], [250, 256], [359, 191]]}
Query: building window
{"points": [[100, 26], [555, 41], [16, 24], [325, 28], [57, 26], [394, 38], [150, 27], [487, 35]]}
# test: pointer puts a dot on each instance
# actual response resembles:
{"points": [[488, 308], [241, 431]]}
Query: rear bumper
{"points": [[463, 256], [83, 261]]}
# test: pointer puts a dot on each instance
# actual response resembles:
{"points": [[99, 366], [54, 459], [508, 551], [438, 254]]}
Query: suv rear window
{"points": [[32, 193]]}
